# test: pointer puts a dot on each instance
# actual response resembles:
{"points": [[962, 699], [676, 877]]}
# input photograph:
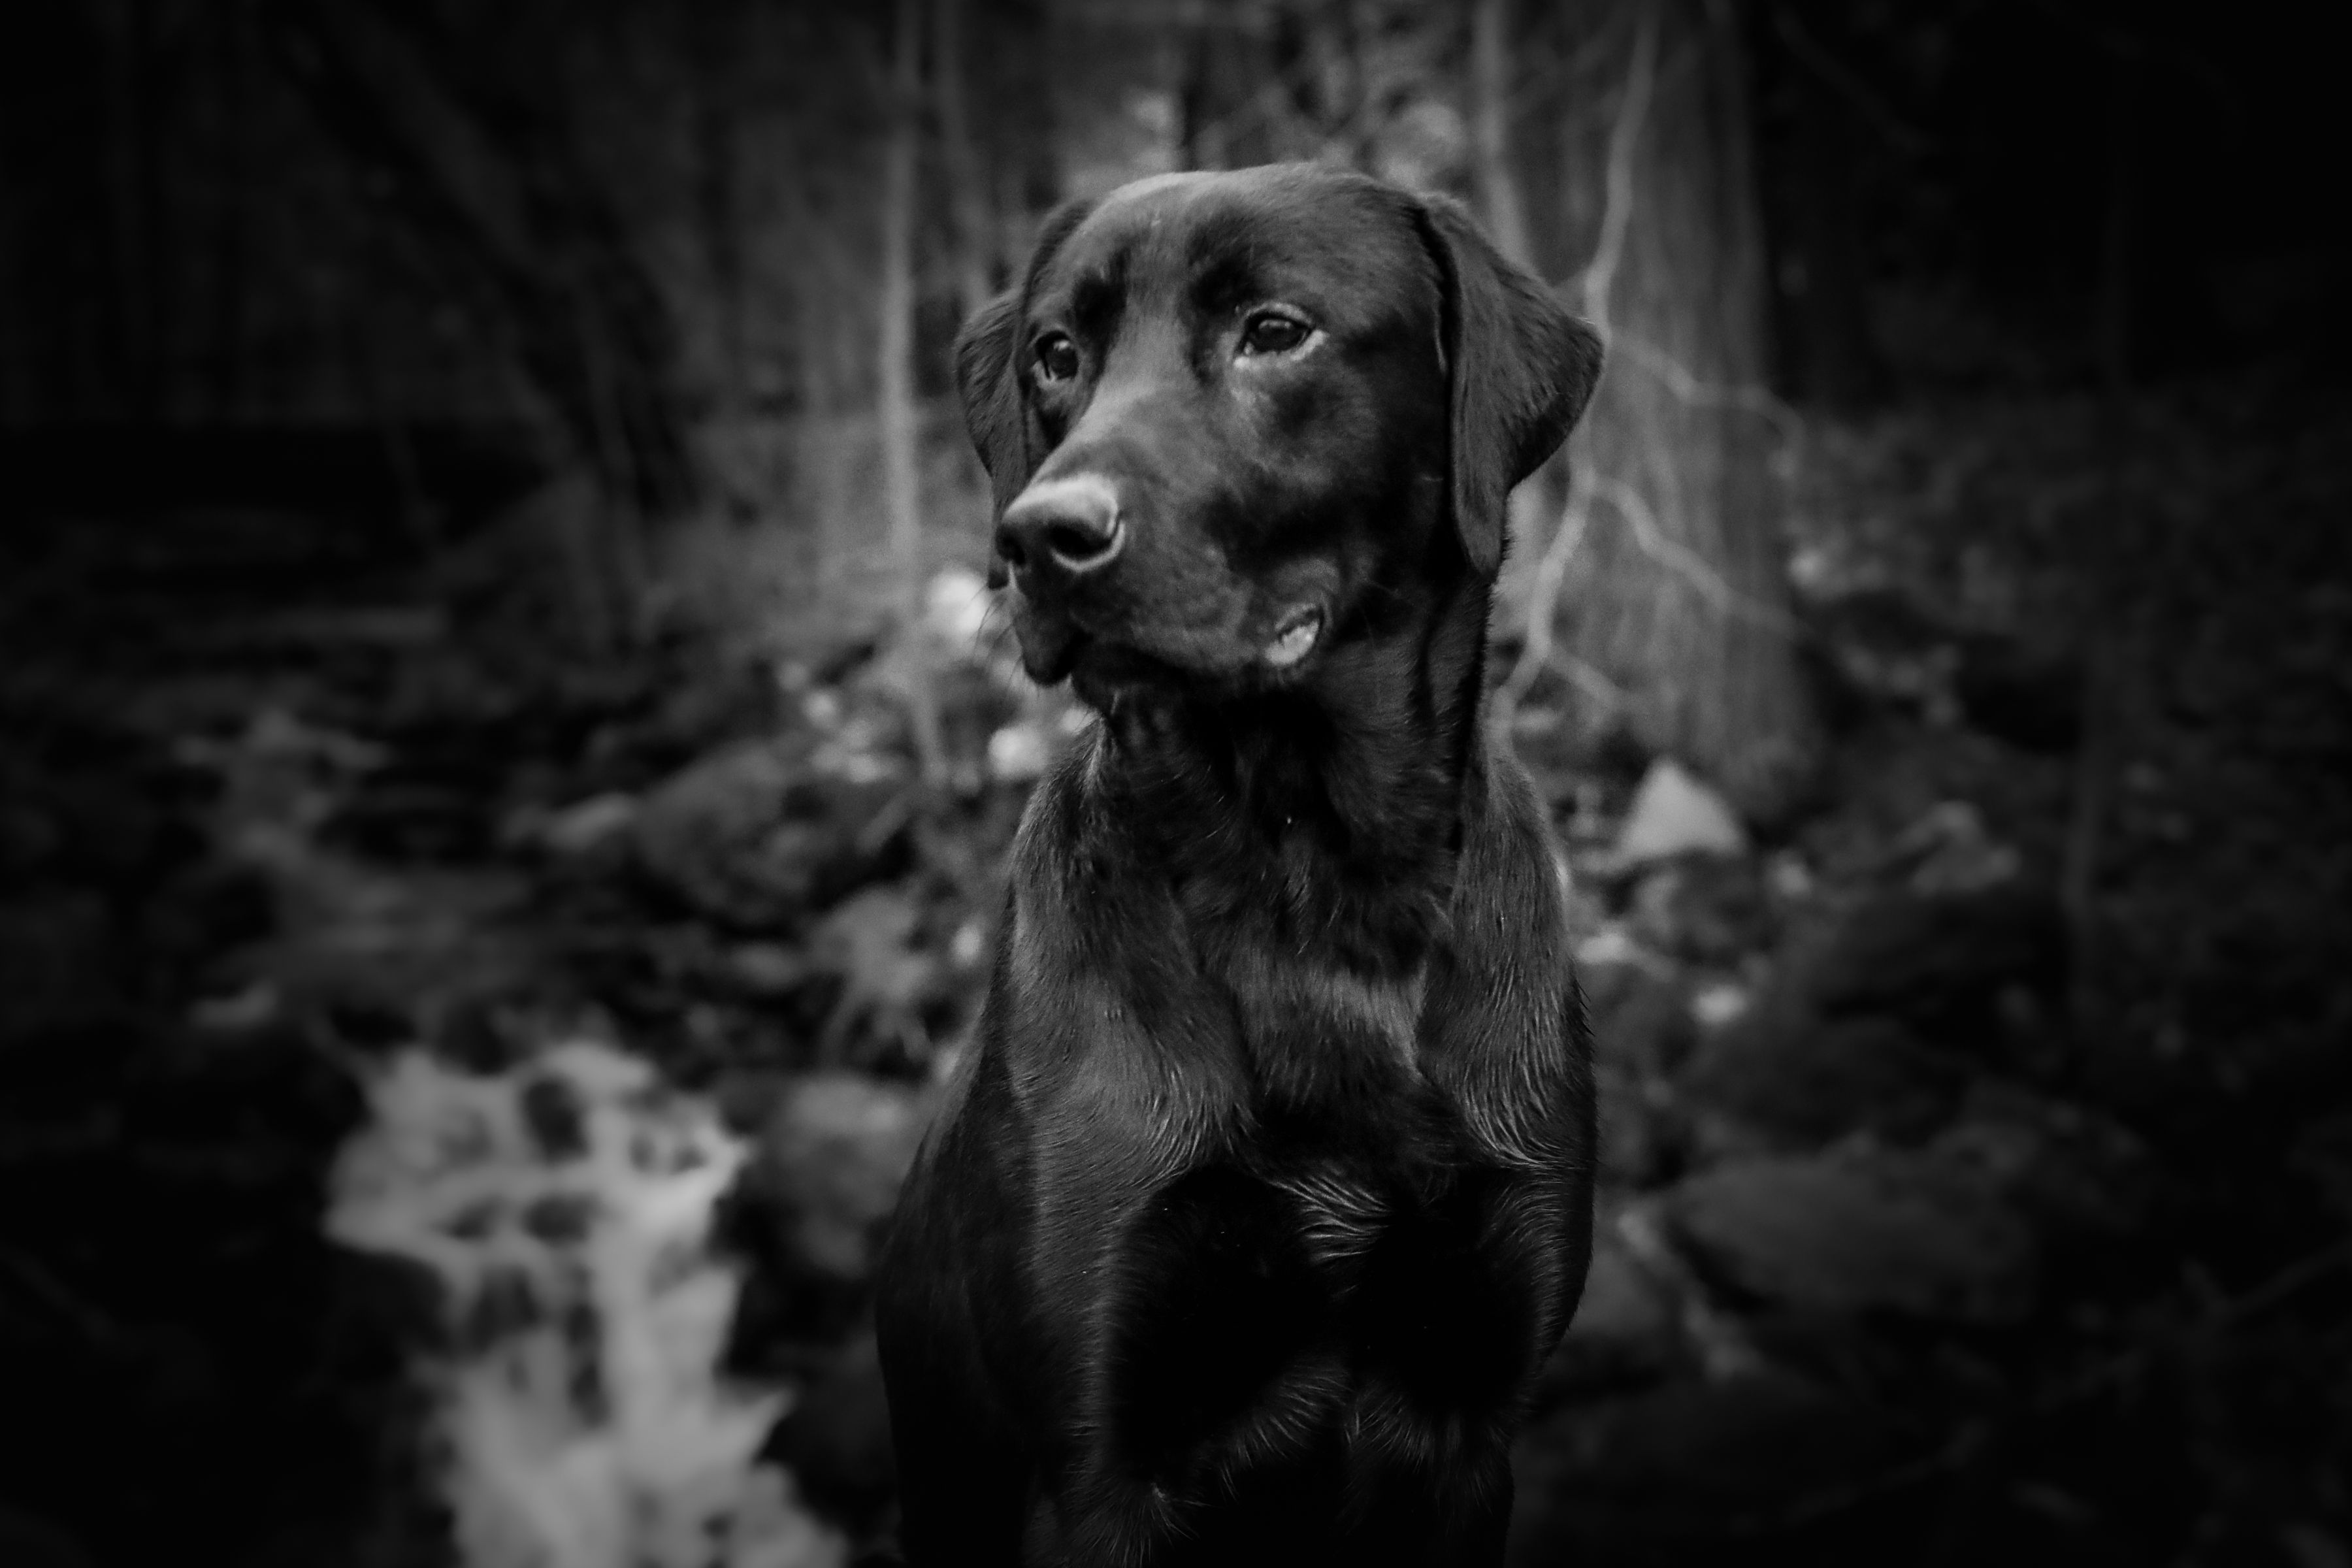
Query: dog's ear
{"points": [[988, 367], [985, 379], [1520, 370], [988, 375]]}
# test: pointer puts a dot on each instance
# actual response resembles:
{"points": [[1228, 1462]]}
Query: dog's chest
{"points": [[1361, 1234], [1258, 1307]]}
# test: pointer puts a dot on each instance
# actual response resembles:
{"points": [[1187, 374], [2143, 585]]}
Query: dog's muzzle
{"points": [[1062, 529]]}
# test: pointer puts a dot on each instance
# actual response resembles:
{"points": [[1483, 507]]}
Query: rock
{"points": [[586, 826], [1883, 647], [59, 953], [841, 1143], [2069, 1169], [1019, 753], [823, 1176], [30, 839], [1940, 962], [1638, 1145], [1879, 646], [1625, 1328], [2030, 697], [887, 975], [1660, 1476], [2323, 1152], [1804, 1080], [1640, 1014], [1704, 907], [424, 943], [956, 603], [756, 833], [1622, 1300], [1861, 1229], [422, 809], [1720, 1003], [835, 1438], [28, 1540], [1673, 813], [1949, 850], [768, 969]]}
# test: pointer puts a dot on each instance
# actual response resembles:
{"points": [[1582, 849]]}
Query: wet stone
{"points": [[1803, 1079], [1858, 1230]]}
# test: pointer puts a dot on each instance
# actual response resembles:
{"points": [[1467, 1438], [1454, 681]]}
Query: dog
{"points": [[1263, 1190]]}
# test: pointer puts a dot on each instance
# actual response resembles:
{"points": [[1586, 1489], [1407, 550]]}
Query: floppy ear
{"points": [[1521, 371], [988, 375], [992, 395]]}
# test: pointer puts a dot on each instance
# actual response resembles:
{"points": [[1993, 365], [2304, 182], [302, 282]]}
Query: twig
{"points": [[2118, 601], [1835, 73], [1543, 592], [1617, 211], [1590, 681], [1550, 69], [1690, 389], [1684, 563], [1965, 1444], [37, 1280]]}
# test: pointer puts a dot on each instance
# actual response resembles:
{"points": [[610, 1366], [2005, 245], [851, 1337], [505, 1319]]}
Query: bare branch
{"points": [[1833, 72], [1543, 594], [1688, 389], [2102, 1375], [895, 408], [1684, 562], [1617, 212], [1490, 121]]}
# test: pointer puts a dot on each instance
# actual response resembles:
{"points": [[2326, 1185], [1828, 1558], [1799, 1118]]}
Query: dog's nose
{"points": [[1071, 526]]}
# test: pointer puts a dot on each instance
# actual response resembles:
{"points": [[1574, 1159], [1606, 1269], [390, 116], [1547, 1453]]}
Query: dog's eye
{"points": [[1057, 357], [1272, 332]]}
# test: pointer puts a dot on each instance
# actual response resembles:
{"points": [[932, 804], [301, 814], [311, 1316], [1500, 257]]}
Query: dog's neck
{"points": [[1330, 811]]}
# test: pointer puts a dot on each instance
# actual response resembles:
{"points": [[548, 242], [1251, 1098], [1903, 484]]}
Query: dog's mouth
{"points": [[1055, 647], [1050, 644], [1294, 638]]}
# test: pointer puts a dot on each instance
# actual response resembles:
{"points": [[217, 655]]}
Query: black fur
{"points": [[1264, 1190]]}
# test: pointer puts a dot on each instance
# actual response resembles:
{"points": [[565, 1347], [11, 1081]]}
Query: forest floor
{"points": [[1977, 1173]]}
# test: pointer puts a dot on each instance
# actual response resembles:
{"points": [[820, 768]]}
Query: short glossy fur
{"points": [[1263, 1192]]}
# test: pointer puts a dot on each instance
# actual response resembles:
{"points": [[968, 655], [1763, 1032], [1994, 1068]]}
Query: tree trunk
{"points": [[232, 91], [718, 37], [895, 392], [1490, 125], [1828, 356], [1665, 579], [133, 145], [494, 185], [1222, 121], [975, 231], [1502, 204]]}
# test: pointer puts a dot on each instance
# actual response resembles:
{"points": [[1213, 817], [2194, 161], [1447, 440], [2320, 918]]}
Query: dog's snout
{"points": [[1072, 526]]}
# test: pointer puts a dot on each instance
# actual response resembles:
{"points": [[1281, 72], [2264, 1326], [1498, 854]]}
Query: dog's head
{"points": [[1230, 418]]}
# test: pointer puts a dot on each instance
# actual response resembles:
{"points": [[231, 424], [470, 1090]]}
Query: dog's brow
{"points": [[1095, 297], [1219, 257], [1221, 282]]}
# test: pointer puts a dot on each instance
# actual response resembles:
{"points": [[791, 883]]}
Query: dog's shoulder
{"points": [[1113, 1047], [1502, 1031], [1511, 860]]}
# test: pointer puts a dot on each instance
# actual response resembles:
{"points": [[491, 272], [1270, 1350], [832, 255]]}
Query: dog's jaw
{"points": [[1272, 646]]}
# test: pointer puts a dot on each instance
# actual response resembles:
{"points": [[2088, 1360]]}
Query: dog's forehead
{"points": [[1220, 239]]}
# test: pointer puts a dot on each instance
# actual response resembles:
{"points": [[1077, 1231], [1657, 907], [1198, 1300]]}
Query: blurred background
{"points": [[506, 757]]}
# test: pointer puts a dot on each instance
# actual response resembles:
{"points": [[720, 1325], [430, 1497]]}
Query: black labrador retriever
{"points": [[1263, 1190]]}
